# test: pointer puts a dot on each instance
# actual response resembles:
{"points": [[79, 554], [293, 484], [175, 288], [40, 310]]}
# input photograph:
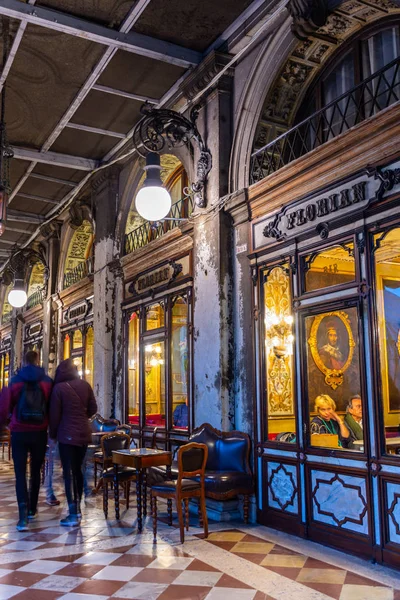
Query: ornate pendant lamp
{"points": [[157, 130]]}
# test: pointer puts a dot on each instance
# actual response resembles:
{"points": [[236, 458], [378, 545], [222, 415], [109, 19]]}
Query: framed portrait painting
{"points": [[333, 355]]}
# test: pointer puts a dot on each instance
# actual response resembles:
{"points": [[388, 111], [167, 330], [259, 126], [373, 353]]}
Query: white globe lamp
{"points": [[17, 297], [153, 201]]}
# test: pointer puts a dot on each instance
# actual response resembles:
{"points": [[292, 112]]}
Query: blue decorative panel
{"points": [[393, 511], [340, 500], [282, 487]]}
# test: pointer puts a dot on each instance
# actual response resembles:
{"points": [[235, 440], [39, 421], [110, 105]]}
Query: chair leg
{"points": [[105, 499], [199, 514], [186, 501], [169, 506], [204, 514], [153, 500], [246, 508], [116, 499], [180, 518], [95, 473], [9, 451], [128, 491]]}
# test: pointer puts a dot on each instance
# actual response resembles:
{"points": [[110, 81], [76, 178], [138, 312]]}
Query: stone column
{"points": [[17, 345], [238, 207], [213, 334], [50, 310], [106, 204]]}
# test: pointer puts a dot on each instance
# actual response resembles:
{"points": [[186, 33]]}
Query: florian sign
{"points": [[317, 212]]}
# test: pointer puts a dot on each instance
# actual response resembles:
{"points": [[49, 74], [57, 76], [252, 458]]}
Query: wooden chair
{"points": [[192, 459], [5, 440], [109, 442]]}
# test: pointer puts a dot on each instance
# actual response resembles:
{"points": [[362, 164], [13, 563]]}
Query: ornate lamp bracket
{"points": [[21, 260], [160, 128]]}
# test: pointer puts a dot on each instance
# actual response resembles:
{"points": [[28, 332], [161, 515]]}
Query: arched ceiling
{"points": [[307, 59]]}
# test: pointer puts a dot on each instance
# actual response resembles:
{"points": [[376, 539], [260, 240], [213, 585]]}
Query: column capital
{"points": [[106, 177], [51, 230], [205, 72], [237, 205]]}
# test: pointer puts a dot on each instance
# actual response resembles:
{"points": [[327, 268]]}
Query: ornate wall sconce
{"points": [[278, 334], [20, 261], [159, 129]]}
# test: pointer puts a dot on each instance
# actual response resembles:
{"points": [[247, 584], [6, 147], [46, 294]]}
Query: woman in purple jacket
{"points": [[72, 403]]}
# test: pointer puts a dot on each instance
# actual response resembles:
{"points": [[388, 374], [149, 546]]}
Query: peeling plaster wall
{"points": [[104, 325]]}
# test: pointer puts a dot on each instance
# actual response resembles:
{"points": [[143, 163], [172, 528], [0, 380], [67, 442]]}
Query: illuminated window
{"points": [[67, 347], [154, 366], [387, 290], [333, 378], [278, 355], [333, 266], [179, 363], [89, 356], [133, 368], [155, 316], [77, 339]]}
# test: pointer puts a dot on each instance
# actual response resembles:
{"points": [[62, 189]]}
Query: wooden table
{"points": [[140, 459]]}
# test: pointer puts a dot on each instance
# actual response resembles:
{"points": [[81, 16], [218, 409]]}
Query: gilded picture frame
{"points": [[335, 357]]}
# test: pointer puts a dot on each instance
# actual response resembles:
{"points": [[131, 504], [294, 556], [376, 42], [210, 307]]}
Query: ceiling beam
{"points": [[108, 90], [17, 229], [38, 198], [135, 43], [7, 242], [53, 179], [56, 159], [96, 130], [24, 217]]}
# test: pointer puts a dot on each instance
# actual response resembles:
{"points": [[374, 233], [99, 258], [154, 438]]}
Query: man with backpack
{"points": [[26, 402]]}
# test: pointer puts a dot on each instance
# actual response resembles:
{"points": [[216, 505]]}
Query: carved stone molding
{"points": [[80, 211], [340, 20], [237, 205], [308, 16], [205, 72], [106, 176], [52, 229]]}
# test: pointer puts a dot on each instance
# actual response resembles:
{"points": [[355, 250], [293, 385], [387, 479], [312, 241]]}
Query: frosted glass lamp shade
{"points": [[17, 298], [153, 203]]}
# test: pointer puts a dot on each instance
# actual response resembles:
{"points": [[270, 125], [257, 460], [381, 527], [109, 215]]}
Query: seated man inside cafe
{"points": [[353, 418], [327, 421]]}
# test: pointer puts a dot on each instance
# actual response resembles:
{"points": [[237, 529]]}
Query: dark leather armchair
{"points": [[228, 472]]}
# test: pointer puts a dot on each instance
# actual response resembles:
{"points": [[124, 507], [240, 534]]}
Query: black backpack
{"points": [[31, 406]]}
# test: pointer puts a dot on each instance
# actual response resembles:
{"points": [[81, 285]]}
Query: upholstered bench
{"points": [[228, 472]]}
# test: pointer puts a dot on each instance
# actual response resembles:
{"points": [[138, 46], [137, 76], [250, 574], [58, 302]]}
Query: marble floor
{"points": [[104, 560]]}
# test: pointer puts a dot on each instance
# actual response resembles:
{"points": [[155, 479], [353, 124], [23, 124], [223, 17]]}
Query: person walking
{"points": [[72, 403], [27, 400]]}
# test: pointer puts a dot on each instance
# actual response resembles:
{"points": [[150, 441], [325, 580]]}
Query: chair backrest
{"points": [[192, 460], [110, 424], [136, 436], [227, 450], [96, 423], [125, 429], [114, 441]]}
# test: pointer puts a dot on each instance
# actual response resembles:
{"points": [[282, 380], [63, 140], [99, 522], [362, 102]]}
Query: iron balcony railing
{"points": [[372, 95], [36, 298], [79, 272], [147, 232]]}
